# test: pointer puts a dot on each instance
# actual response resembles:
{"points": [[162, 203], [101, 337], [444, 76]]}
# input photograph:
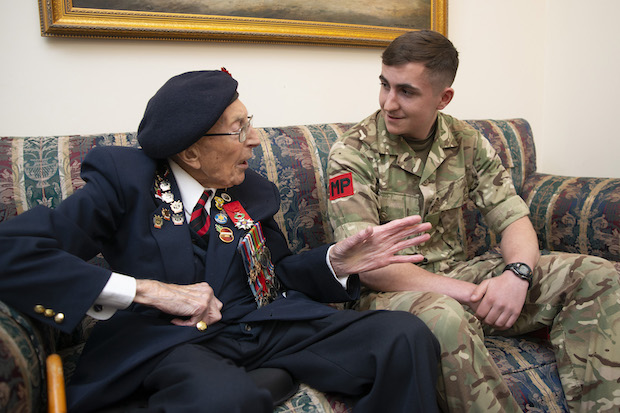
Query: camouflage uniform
{"points": [[376, 177]]}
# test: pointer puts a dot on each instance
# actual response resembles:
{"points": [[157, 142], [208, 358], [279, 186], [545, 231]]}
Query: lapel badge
{"points": [[226, 197], [219, 202], [165, 212], [226, 235], [221, 218], [167, 197], [177, 219], [158, 221], [176, 206], [165, 186]]}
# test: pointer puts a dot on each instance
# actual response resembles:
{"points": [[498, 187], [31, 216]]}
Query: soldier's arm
{"points": [[498, 301], [410, 277], [520, 243]]}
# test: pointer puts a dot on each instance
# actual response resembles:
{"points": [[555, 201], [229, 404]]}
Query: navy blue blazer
{"points": [[44, 254]]}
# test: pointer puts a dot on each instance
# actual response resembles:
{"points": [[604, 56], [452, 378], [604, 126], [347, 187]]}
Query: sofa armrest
{"points": [[575, 214], [22, 353]]}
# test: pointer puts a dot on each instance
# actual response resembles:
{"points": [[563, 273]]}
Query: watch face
{"points": [[523, 269]]}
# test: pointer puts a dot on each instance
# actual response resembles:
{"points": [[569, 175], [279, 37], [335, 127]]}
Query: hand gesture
{"points": [[193, 304], [375, 247]]}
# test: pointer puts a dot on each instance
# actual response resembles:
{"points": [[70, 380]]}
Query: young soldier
{"points": [[410, 158]]}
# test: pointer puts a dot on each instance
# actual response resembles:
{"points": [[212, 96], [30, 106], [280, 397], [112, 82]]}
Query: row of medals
{"points": [[175, 213]]}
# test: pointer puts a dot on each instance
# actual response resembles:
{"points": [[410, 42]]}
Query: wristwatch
{"points": [[521, 270]]}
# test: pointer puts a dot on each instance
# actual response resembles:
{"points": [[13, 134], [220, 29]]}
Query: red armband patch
{"points": [[341, 186]]}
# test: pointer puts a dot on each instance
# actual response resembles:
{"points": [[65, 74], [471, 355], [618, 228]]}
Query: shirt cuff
{"points": [[117, 294], [342, 280]]}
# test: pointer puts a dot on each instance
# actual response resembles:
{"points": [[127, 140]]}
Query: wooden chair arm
{"points": [[56, 397]]}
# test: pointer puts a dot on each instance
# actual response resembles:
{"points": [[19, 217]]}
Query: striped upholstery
{"points": [[570, 214]]}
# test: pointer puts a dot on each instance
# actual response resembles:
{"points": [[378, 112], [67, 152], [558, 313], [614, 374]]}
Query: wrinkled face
{"points": [[409, 101], [221, 161]]}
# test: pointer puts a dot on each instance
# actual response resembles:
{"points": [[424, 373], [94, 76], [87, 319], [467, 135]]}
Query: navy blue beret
{"points": [[183, 110]]}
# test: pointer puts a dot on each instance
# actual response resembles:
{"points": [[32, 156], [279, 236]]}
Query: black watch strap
{"points": [[521, 270]]}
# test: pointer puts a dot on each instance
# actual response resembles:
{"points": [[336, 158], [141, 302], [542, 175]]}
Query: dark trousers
{"points": [[387, 360]]}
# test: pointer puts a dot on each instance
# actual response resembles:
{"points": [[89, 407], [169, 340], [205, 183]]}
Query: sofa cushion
{"points": [[528, 365]]}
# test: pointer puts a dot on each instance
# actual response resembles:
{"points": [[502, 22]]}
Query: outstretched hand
{"points": [[376, 247]]}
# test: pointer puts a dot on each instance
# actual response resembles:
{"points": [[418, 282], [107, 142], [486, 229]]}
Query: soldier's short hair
{"points": [[431, 48]]}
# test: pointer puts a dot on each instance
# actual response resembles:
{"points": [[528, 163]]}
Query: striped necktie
{"points": [[200, 220]]}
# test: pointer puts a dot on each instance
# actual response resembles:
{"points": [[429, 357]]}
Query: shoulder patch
{"points": [[341, 186]]}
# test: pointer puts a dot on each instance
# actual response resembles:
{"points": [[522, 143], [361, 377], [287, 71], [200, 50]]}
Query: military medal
{"points": [[238, 215], [226, 197], [165, 212], [257, 262]]}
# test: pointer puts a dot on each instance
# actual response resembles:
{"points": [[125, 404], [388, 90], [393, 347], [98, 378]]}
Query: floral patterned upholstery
{"points": [[570, 214]]}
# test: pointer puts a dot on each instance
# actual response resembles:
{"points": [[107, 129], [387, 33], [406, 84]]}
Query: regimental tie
{"points": [[200, 220]]}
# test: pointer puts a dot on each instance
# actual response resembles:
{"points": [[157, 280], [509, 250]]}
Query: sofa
{"points": [[571, 214]]}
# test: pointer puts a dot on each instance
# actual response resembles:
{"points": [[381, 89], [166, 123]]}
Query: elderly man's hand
{"points": [[194, 303], [375, 247]]}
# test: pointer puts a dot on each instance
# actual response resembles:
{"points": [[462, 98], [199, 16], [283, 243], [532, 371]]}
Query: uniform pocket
{"points": [[395, 205]]}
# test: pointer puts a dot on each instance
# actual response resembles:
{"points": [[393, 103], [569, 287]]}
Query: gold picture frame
{"points": [[60, 18]]}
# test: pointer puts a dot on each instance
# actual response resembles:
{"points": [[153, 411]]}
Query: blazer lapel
{"points": [[221, 254], [174, 241]]}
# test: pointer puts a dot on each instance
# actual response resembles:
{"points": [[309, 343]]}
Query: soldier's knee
{"points": [[447, 318], [594, 271]]}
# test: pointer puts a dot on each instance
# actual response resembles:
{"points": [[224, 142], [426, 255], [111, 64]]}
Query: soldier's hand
{"points": [[375, 247], [192, 303], [498, 301]]}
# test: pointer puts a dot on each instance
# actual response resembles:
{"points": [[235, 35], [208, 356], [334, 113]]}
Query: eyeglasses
{"points": [[243, 132]]}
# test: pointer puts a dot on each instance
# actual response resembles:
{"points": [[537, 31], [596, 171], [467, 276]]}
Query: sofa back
{"points": [[45, 170]]}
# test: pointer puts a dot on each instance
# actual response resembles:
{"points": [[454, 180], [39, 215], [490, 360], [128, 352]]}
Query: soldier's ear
{"points": [[445, 98]]}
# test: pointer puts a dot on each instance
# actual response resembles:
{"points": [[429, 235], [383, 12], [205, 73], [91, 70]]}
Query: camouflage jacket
{"points": [[375, 177]]}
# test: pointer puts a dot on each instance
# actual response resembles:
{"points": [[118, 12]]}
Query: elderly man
{"points": [[410, 158], [204, 288]]}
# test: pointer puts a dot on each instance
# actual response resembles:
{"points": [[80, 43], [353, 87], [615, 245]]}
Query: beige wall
{"points": [[519, 58]]}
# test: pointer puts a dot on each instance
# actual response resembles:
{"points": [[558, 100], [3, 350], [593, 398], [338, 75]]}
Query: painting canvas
{"points": [[407, 14], [353, 22]]}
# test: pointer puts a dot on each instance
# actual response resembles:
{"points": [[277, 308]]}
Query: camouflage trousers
{"points": [[576, 296]]}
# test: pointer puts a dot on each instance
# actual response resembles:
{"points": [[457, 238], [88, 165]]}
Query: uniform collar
{"points": [[394, 144], [397, 146]]}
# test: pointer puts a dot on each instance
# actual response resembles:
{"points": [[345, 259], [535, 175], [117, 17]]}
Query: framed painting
{"points": [[368, 23]]}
